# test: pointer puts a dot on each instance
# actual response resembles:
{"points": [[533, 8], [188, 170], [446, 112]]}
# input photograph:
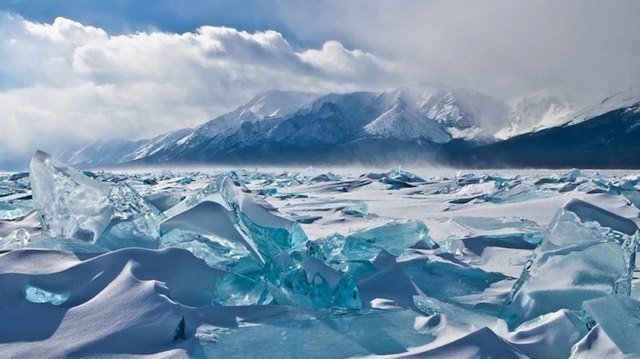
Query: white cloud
{"points": [[66, 82], [65, 31], [334, 60], [504, 48]]}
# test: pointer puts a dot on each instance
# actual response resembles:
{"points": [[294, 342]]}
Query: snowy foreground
{"points": [[314, 264]]}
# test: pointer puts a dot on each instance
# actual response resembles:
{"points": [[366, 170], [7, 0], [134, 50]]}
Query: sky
{"points": [[73, 71]]}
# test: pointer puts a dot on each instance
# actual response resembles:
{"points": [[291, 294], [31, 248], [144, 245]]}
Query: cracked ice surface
{"points": [[315, 263]]}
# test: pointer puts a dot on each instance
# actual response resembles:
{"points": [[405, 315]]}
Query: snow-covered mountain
{"points": [[271, 104], [620, 100], [608, 140], [544, 109], [404, 122], [294, 121], [299, 126], [465, 114], [535, 112]]}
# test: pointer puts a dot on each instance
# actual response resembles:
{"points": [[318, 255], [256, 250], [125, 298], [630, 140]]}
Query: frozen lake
{"points": [[318, 262]]}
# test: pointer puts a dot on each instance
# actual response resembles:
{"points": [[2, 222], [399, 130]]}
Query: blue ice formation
{"points": [[587, 253]]}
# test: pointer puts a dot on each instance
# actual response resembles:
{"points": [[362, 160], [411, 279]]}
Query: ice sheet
{"points": [[375, 262]]}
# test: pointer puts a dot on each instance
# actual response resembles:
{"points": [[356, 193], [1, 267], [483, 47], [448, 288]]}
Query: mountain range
{"points": [[424, 125]]}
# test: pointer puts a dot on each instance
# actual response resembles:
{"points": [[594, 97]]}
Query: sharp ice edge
{"points": [[618, 317], [259, 256], [587, 253], [74, 206]]}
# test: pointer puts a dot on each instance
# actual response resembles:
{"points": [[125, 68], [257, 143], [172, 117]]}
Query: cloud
{"points": [[66, 82], [334, 61], [503, 48], [63, 81]]}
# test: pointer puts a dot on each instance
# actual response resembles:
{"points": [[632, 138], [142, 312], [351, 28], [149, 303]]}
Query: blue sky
{"points": [[125, 16], [122, 16], [76, 71]]}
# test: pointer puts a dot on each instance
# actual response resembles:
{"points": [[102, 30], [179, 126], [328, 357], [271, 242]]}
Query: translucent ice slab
{"points": [[344, 336], [586, 253], [133, 223], [300, 280], [517, 193], [235, 289], [394, 237], [618, 316], [444, 280], [164, 200], [211, 192], [72, 205], [395, 178], [15, 208], [208, 230], [269, 233], [348, 207]]}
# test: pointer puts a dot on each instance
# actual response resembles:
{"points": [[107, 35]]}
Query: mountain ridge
{"points": [[284, 126]]}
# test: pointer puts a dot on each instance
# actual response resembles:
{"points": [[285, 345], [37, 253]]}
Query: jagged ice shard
{"points": [[72, 205], [213, 230], [587, 253], [301, 280], [208, 230], [268, 232], [394, 237], [382, 286]]}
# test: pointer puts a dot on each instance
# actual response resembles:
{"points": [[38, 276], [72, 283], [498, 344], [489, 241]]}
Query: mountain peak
{"points": [[403, 122], [275, 103], [293, 125]]}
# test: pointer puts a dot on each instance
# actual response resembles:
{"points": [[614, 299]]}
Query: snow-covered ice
{"points": [[318, 264]]}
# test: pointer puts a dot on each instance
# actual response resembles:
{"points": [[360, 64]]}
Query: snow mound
{"points": [[318, 263]]}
